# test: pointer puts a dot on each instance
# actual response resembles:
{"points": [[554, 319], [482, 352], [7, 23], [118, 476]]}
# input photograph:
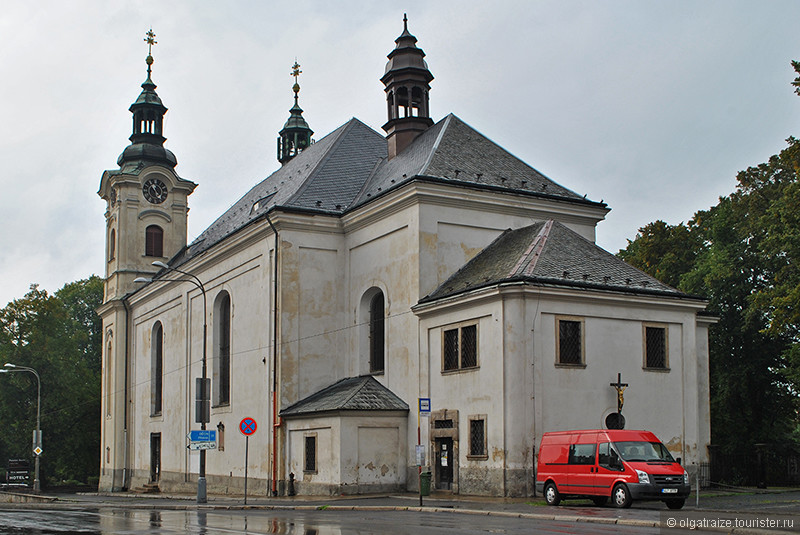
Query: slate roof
{"points": [[349, 168], [362, 393], [549, 253]]}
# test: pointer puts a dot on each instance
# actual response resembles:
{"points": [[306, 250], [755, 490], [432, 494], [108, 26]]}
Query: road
{"points": [[20, 520]]}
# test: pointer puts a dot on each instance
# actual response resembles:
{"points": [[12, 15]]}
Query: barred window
{"points": [[460, 348], [310, 464], [477, 437], [655, 347], [570, 342]]}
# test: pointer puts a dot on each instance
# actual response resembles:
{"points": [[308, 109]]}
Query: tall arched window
{"points": [[376, 330], [112, 244], [153, 241], [108, 386], [156, 369], [222, 349]]}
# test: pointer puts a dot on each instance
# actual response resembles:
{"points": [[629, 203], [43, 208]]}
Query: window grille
{"points": [[477, 437], [569, 347], [311, 454], [460, 348], [451, 349], [443, 424], [655, 347]]}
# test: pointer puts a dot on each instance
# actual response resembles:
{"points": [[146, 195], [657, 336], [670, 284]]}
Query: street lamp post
{"points": [[201, 409], [37, 434]]}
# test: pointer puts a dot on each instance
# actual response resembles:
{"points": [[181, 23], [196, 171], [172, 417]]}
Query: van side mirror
{"points": [[678, 460], [615, 463]]}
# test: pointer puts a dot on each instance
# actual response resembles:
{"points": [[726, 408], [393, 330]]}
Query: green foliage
{"points": [[743, 255], [59, 336]]}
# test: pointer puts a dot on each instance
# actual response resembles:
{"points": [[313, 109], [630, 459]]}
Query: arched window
{"points": [[108, 394], [156, 369], [112, 245], [376, 331], [154, 241], [222, 349]]}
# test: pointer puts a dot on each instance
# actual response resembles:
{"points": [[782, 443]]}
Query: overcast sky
{"points": [[650, 106]]}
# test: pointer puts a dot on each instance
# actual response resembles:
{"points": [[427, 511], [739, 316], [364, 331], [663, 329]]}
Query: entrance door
{"points": [[444, 463], [155, 457]]}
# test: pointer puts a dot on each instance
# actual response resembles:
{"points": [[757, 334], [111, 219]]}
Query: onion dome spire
{"points": [[296, 134], [407, 84], [148, 111]]}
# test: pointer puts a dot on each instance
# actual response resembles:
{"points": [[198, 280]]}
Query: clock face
{"points": [[154, 191]]}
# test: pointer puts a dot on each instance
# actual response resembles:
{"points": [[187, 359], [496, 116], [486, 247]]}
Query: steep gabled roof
{"points": [[349, 168], [362, 393], [549, 253]]}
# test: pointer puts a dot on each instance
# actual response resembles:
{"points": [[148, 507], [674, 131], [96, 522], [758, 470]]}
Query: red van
{"points": [[600, 464]]}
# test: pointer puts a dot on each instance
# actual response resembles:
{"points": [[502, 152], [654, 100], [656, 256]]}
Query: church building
{"points": [[384, 303]]}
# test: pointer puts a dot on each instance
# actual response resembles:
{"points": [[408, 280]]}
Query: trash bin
{"points": [[425, 484]]}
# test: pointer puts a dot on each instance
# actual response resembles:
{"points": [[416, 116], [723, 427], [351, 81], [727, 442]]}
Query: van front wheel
{"points": [[676, 503], [620, 496], [551, 495]]}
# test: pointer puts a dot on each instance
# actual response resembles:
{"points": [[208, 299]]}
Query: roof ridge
{"points": [[423, 170], [357, 390], [541, 240]]}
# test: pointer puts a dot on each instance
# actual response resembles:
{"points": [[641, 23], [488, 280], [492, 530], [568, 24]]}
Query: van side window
{"points": [[581, 454], [607, 456]]}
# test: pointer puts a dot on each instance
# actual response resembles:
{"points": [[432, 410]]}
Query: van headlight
{"points": [[685, 477], [643, 477]]}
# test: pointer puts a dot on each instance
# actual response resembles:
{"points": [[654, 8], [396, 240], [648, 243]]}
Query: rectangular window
{"points": [[310, 457], [569, 347], [460, 348], [477, 437], [655, 347]]}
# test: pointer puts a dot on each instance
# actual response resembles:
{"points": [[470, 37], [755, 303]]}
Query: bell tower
{"points": [[407, 84], [146, 220], [295, 135], [146, 215]]}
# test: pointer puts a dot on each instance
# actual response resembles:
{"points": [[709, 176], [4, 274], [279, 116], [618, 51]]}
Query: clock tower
{"points": [[146, 220]]}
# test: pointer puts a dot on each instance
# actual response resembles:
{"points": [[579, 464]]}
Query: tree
{"points": [[60, 337], [743, 255]]}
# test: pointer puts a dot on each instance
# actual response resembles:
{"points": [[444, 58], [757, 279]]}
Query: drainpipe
{"points": [[125, 473], [275, 422]]}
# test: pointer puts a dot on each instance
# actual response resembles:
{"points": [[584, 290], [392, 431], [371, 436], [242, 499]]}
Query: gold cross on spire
{"points": [[150, 39], [296, 70]]}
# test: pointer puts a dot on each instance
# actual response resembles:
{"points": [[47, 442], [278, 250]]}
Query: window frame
{"points": [[377, 334], [223, 334], [572, 319], [157, 370], [154, 241], [459, 328], [484, 455], [306, 468], [665, 329]]}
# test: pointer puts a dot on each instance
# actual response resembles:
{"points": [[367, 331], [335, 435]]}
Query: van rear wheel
{"points": [[620, 496], [551, 494], [676, 503]]}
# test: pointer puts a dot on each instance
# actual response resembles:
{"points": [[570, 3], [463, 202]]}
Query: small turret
{"points": [[295, 135]]}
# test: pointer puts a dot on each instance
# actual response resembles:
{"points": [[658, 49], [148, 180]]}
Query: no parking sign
{"points": [[248, 426]]}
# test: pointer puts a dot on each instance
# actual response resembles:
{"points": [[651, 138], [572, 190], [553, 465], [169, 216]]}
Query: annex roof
{"points": [[549, 253], [362, 393]]}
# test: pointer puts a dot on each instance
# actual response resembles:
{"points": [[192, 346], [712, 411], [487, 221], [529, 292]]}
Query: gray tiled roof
{"points": [[349, 167], [549, 253], [362, 393]]}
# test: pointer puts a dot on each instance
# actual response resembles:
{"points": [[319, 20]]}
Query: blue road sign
{"points": [[199, 435], [248, 426]]}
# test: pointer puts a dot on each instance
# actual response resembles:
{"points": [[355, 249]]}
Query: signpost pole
{"points": [[246, 451]]}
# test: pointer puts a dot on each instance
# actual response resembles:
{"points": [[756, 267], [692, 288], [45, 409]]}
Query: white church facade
{"points": [[371, 271]]}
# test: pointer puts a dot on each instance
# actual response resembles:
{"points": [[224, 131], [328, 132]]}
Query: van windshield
{"points": [[644, 452]]}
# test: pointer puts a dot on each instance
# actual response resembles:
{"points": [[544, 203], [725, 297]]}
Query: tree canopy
{"points": [[743, 254], [60, 337]]}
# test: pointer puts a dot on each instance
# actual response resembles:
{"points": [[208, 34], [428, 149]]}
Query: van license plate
{"points": [[669, 491]]}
